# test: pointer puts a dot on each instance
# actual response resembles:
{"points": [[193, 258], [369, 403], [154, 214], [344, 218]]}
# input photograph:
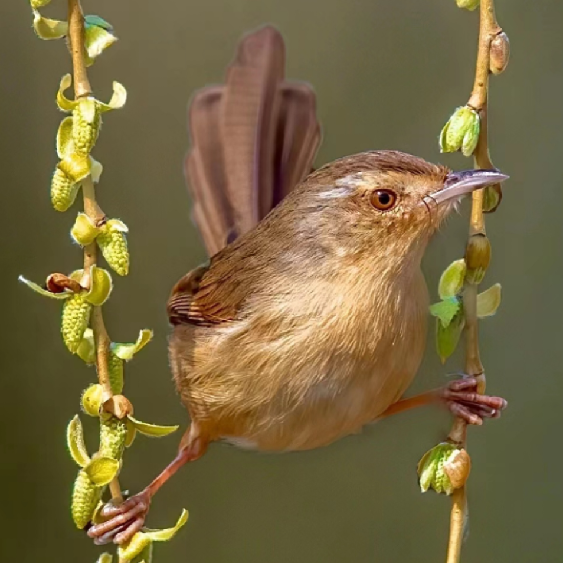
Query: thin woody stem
{"points": [[82, 88], [488, 29]]}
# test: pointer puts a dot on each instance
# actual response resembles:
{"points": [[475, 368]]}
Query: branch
{"points": [[83, 89], [488, 30]]}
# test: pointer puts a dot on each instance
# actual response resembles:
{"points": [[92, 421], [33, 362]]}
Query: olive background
{"points": [[387, 75]]}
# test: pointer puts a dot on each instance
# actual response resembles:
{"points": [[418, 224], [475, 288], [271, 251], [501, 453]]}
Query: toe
{"points": [[125, 535]]}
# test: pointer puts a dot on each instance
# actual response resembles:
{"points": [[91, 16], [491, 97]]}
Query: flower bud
{"points": [[461, 132], [113, 433], [75, 319], [86, 122], [92, 399], [39, 3], [113, 244], [500, 53], [63, 190], [84, 231], [444, 468], [85, 497], [467, 4], [477, 258]]}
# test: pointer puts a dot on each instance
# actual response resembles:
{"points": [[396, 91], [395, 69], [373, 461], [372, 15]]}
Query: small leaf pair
{"points": [[449, 311], [78, 305], [92, 400], [98, 34], [110, 237]]}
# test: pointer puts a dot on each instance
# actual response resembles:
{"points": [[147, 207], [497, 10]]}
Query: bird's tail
{"points": [[253, 139]]}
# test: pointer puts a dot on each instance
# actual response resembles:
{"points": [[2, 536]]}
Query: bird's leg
{"points": [[124, 520], [461, 398]]}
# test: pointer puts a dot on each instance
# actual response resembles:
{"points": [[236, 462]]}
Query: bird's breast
{"points": [[313, 368]]}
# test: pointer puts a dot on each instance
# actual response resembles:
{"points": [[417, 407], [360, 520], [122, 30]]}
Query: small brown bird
{"points": [[309, 320]]}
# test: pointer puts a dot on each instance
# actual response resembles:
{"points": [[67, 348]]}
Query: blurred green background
{"points": [[387, 75]]}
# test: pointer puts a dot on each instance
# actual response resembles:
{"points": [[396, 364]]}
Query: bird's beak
{"points": [[458, 184]]}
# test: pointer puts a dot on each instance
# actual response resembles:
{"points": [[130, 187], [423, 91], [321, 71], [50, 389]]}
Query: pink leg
{"points": [[125, 520], [460, 397]]}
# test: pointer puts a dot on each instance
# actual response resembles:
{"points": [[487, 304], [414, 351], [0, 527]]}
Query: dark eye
{"points": [[383, 199]]}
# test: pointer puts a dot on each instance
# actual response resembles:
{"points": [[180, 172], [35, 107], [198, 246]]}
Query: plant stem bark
{"points": [[478, 100], [82, 89]]}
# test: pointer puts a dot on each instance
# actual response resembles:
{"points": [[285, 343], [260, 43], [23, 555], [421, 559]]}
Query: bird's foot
{"points": [[463, 400], [122, 521]]}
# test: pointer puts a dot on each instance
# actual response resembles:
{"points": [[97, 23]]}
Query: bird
{"points": [[309, 320]]}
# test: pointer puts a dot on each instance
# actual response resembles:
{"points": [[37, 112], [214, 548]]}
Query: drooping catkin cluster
{"points": [[86, 289]]}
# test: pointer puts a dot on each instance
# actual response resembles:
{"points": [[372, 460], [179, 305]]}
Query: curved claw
{"points": [[124, 520], [463, 400]]}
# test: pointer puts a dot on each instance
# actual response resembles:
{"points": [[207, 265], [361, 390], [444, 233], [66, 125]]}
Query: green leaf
{"points": [[62, 101], [447, 338], [86, 349], [488, 302], [127, 351], [44, 292], [48, 29], [168, 533], [65, 145], [140, 542], [152, 430], [75, 442], [101, 286], [446, 310], [131, 433], [451, 281], [97, 21], [134, 547], [102, 470]]}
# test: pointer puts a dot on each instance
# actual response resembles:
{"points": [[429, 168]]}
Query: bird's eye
{"points": [[383, 199]]}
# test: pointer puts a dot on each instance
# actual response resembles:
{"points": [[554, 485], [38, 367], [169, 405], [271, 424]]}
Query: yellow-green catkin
{"points": [[115, 368], [86, 122], [113, 433], [63, 190], [75, 319], [113, 244], [85, 498]]}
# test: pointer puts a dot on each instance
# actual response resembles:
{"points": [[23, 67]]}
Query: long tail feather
{"points": [[253, 140]]}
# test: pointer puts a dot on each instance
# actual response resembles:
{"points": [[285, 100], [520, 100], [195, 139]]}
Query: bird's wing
{"points": [[214, 293]]}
